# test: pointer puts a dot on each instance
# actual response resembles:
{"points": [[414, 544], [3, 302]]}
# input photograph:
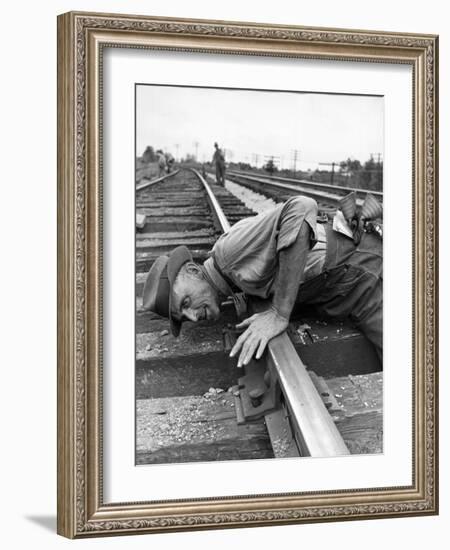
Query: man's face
{"points": [[193, 298]]}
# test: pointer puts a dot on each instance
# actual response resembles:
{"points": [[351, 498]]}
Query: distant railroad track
{"points": [[326, 195], [180, 208], [145, 183], [183, 208]]}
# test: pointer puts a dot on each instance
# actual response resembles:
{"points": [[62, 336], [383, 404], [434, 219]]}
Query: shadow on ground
{"points": [[46, 522]]}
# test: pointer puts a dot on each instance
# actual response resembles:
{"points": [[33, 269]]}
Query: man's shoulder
{"points": [[251, 228], [301, 201]]}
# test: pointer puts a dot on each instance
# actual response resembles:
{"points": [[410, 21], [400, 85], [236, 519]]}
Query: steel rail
{"points": [[320, 196], [314, 430], [311, 184], [214, 203], [146, 184]]}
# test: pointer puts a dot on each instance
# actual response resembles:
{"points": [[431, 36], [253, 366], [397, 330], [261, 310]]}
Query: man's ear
{"points": [[193, 269]]}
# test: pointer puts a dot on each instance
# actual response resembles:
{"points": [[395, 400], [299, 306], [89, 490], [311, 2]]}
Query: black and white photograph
{"points": [[259, 274]]}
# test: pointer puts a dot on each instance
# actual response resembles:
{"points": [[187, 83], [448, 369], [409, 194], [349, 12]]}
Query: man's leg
{"points": [[357, 296], [368, 317], [221, 171]]}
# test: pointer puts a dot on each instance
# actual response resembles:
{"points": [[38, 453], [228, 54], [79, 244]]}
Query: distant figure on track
{"points": [[284, 255], [162, 164], [170, 161], [219, 162]]}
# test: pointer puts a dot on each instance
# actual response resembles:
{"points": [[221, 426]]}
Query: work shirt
{"points": [[161, 160], [248, 253], [218, 157]]}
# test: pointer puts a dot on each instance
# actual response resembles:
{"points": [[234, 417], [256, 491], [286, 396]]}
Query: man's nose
{"points": [[190, 314]]}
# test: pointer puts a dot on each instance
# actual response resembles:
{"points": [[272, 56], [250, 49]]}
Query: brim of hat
{"points": [[178, 257], [148, 293]]}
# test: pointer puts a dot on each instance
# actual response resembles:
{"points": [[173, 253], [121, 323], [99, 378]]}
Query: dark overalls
{"points": [[351, 284], [220, 167]]}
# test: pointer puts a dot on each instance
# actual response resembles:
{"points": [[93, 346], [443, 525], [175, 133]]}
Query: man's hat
{"points": [[348, 205], [371, 209], [157, 294]]}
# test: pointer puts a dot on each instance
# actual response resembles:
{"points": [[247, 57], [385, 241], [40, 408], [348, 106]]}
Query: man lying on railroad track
{"points": [[286, 255]]}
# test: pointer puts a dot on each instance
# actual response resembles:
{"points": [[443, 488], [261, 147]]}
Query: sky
{"points": [[252, 125]]}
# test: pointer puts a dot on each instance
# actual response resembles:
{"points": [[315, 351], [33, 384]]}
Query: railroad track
{"points": [[179, 209], [181, 382], [280, 188]]}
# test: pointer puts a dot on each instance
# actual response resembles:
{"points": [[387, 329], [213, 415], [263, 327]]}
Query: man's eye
{"points": [[185, 303]]}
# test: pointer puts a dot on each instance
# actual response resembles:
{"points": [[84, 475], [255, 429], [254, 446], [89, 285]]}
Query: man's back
{"points": [[218, 156], [247, 254]]}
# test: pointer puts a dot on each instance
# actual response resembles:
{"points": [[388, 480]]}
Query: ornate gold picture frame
{"points": [[82, 41]]}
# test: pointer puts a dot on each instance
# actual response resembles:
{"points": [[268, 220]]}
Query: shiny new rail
{"points": [[216, 209], [314, 431]]}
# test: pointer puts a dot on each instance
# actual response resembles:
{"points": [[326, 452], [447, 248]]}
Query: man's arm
{"points": [[264, 326]]}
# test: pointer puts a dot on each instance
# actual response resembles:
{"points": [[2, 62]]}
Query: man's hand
{"points": [[262, 327]]}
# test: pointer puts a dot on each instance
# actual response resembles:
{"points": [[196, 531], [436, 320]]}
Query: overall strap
{"points": [[238, 297], [339, 248], [230, 283]]}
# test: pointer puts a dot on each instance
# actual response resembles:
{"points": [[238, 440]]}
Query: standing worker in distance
{"points": [[219, 162], [170, 161], [286, 256], [162, 165]]}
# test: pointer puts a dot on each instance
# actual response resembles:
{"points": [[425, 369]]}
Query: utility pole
{"points": [[196, 150], [256, 159], [177, 146], [378, 170], [296, 154], [332, 164], [273, 160], [378, 155]]}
